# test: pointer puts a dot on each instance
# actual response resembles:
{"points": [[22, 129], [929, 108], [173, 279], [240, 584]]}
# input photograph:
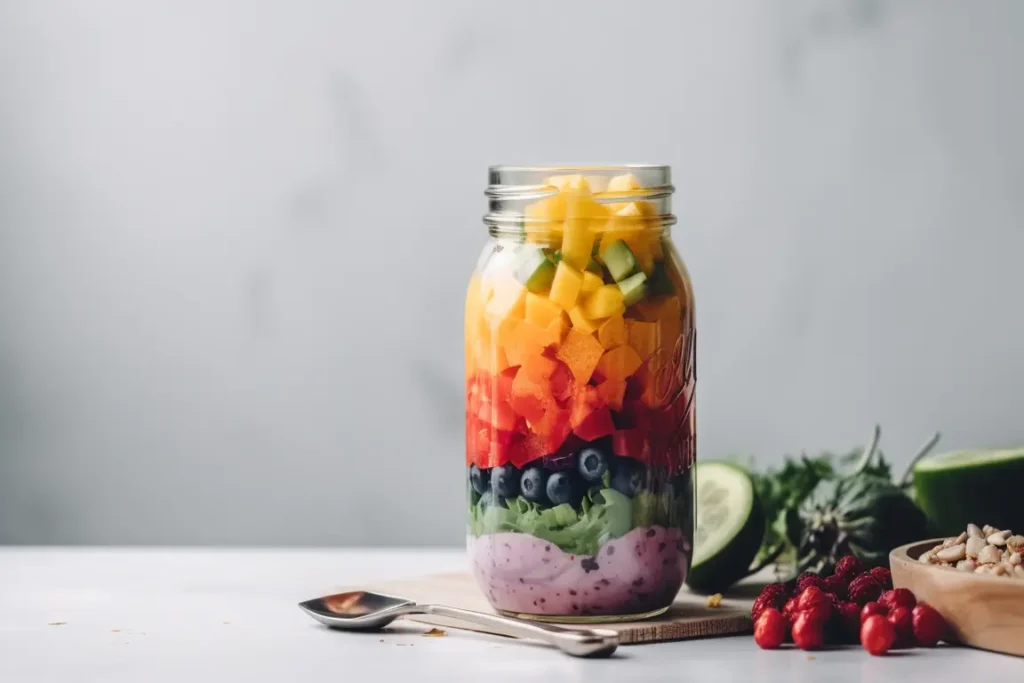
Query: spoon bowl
{"points": [[357, 610], [364, 611]]}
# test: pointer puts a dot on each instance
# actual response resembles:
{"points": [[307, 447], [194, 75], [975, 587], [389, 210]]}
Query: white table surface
{"points": [[152, 615]]}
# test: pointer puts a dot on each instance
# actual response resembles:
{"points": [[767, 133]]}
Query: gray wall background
{"points": [[235, 236]]}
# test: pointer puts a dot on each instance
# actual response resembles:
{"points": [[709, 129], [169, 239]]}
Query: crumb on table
{"points": [[715, 600]]}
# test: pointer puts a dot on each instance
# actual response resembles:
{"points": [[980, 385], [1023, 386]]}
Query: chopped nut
{"points": [[988, 530], [1015, 542], [715, 600], [966, 565], [950, 542], [983, 569], [989, 555], [1000, 569], [973, 530], [952, 553], [975, 545], [998, 538], [1015, 559], [436, 633], [927, 557]]}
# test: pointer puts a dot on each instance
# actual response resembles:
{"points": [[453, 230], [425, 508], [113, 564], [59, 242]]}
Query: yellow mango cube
{"points": [[626, 182], [540, 310], [548, 209], [581, 322], [565, 288], [591, 281], [626, 185], [612, 332], [577, 243], [604, 302]]}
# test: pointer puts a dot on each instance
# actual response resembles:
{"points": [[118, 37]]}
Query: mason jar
{"points": [[580, 413]]}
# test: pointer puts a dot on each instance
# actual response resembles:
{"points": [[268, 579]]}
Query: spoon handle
{"points": [[577, 642]]}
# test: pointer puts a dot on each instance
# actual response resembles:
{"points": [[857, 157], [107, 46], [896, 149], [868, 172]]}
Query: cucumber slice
{"points": [[730, 527], [619, 260], [633, 288], [979, 486], [534, 271]]}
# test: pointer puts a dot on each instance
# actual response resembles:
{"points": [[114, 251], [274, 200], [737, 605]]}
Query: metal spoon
{"points": [[362, 610]]}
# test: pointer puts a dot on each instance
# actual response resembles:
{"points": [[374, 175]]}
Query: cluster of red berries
{"points": [[851, 605]]}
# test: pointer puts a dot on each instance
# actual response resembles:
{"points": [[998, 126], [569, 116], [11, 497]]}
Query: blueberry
{"points": [[505, 481], [533, 483], [562, 488], [627, 476], [479, 479], [593, 464]]}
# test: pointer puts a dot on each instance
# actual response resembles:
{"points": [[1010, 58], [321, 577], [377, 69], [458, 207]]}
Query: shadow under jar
{"points": [[580, 415]]}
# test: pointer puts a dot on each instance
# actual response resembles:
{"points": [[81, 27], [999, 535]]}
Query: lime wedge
{"points": [[979, 486], [730, 526]]}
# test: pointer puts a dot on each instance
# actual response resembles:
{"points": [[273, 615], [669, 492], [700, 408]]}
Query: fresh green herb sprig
{"points": [[783, 490]]}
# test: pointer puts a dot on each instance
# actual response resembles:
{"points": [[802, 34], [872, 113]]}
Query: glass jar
{"points": [[580, 423]]}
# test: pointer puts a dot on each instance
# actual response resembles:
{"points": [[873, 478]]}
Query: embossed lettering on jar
{"points": [[580, 412]]}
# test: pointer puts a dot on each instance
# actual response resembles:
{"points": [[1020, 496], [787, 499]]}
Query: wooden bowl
{"points": [[983, 611]]}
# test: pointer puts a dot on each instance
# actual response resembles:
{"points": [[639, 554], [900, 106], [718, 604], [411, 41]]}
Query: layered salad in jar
{"points": [[580, 407]]}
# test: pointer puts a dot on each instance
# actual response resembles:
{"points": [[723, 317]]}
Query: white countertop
{"points": [[152, 615]]}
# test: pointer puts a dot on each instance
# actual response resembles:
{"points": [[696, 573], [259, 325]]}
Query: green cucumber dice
{"points": [[619, 260], [633, 288], [535, 271]]}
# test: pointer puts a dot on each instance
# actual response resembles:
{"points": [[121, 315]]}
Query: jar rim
{"points": [[584, 168], [511, 188]]}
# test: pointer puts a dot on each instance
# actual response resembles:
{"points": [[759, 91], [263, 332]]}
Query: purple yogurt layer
{"points": [[639, 572]]}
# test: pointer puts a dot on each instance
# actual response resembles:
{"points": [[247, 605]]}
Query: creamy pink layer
{"points": [[639, 572]]}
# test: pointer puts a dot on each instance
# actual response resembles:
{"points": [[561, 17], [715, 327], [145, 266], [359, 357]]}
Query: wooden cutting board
{"points": [[689, 616]]}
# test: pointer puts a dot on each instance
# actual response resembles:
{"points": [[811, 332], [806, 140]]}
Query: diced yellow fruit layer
{"points": [[591, 281], [581, 322], [566, 286], [618, 363], [643, 337], [612, 332], [540, 310], [604, 302]]}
